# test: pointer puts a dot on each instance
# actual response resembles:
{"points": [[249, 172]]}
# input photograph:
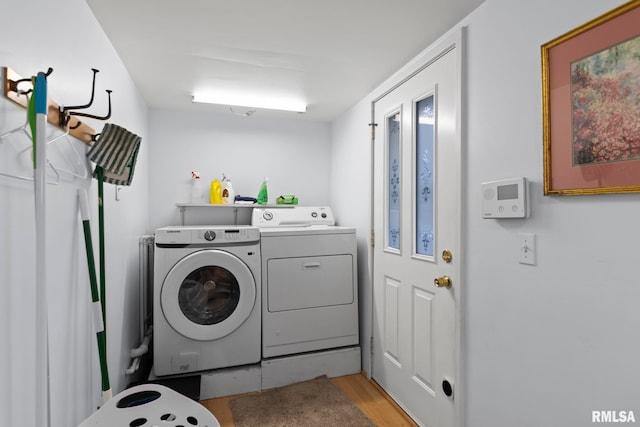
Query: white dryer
{"points": [[309, 281], [206, 298]]}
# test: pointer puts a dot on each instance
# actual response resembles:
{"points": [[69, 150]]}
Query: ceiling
{"points": [[331, 53]]}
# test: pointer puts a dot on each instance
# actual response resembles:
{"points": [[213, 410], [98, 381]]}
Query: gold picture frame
{"points": [[591, 106]]}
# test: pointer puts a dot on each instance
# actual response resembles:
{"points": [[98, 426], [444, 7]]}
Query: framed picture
{"points": [[591, 106]]}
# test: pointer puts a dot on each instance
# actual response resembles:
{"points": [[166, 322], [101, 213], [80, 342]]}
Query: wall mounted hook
{"points": [[87, 105], [75, 113], [12, 85], [65, 110]]}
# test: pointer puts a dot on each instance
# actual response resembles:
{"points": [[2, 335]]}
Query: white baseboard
{"points": [[230, 381], [279, 371], [285, 370]]}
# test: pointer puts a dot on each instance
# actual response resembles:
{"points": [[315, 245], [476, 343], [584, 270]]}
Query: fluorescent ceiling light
{"points": [[251, 101]]}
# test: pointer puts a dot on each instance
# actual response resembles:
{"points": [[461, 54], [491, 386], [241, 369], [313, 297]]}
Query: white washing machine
{"points": [[206, 298], [309, 281]]}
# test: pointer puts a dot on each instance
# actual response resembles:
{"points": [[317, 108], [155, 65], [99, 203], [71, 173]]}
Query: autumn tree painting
{"points": [[605, 98]]}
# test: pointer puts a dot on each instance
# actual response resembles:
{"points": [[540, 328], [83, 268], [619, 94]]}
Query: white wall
{"points": [[293, 154], [64, 35], [351, 198], [545, 344]]}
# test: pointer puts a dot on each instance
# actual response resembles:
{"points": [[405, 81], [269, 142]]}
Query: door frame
{"points": [[455, 39]]}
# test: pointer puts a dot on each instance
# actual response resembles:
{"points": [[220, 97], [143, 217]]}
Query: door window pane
{"points": [[425, 126], [393, 183]]}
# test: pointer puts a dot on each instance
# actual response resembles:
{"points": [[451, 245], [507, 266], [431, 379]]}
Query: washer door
{"points": [[208, 295]]}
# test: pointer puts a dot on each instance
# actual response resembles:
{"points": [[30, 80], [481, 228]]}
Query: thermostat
{"points": [[508, 198]]}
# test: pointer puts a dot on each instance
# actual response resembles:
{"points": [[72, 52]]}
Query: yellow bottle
{"points": [[215, 196]]}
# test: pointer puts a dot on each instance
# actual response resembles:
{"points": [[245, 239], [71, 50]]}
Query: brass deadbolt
{"points": [[447, 256]]}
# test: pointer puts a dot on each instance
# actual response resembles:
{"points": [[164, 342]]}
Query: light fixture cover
{"points": [[251, 101]]}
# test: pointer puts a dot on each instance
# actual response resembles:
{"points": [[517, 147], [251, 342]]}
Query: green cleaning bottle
{"points": [[263, 196]]}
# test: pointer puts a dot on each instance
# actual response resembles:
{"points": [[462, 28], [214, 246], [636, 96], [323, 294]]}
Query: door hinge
{"points": [[373, 238], [373, 130], [371, 346]]}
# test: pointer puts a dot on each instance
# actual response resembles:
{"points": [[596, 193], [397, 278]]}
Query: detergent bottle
{"points": [[227, 190], [196, 188], [263, 195], [215, 195]]}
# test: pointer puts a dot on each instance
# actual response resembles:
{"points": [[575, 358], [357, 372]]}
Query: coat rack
{"points": [[16, 89], [40, 111]]}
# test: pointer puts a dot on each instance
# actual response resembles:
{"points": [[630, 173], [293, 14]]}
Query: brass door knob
{"points": [[442, 282]]}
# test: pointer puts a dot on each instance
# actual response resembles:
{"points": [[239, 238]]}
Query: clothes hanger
{"points": [[77, 159], [23, 128]]}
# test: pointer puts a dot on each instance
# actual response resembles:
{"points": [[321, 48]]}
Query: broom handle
{"points": [[95, 297], [38, 114], [103, 286]]}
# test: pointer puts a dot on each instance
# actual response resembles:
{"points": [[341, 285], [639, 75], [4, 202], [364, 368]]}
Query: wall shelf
{"points": [[235, 206]]}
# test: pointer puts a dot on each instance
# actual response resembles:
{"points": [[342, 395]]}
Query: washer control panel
{"points": [[225, 235], [215, 235]]}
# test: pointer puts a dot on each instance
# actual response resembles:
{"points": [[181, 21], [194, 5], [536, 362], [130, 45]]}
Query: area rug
{"points": [[311, 403]]}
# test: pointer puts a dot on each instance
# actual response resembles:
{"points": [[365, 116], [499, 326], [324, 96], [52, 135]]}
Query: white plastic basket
{"points": [[151, 405]]}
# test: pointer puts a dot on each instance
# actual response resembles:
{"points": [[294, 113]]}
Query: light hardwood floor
{"points": [[367, 395]]}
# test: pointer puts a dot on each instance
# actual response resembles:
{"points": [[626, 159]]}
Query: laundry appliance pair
{"points": [[281, 288]]}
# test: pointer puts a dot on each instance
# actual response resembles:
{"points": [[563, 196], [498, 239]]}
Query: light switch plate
{"points": [[527, 248]]}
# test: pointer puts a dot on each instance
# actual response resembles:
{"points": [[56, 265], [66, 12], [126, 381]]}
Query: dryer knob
{"points": [[209, 235]]}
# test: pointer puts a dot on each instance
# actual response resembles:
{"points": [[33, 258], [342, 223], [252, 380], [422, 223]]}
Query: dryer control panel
{"points": [[295, 216]]}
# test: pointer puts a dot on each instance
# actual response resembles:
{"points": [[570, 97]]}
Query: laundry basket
{"points": [[150, 405]]}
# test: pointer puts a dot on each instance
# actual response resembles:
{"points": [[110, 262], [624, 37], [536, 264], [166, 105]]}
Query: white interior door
{"points": [[417, 240]]}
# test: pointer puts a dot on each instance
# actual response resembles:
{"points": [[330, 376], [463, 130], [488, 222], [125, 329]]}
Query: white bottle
{"points": [[196, 189], [227, 191]]}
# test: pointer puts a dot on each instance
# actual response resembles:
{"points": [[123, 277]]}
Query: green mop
{"points": [[114, 152], [98, 319]]}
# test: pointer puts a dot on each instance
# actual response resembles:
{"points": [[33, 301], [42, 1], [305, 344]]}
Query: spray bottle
{"points": [[196, 188]]}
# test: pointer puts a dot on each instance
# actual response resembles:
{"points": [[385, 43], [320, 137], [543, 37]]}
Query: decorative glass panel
{"points": [[393, 184], [425, 126]]}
